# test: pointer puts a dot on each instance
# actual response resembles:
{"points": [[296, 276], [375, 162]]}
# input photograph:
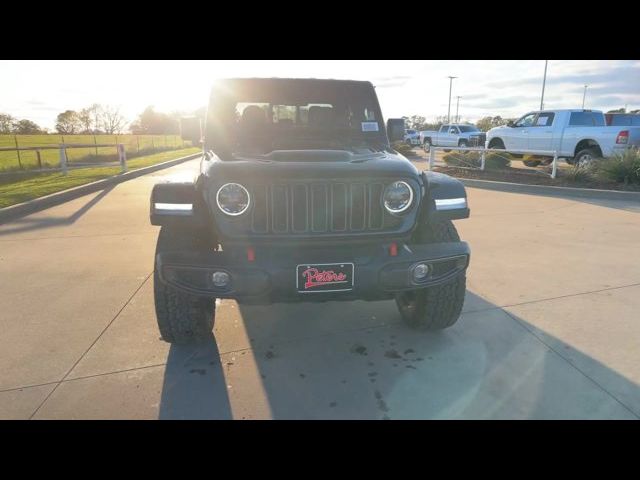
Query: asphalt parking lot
{"points": [[550, 327]]}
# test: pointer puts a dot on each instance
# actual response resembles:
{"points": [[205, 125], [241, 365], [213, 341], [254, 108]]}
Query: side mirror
{"points": [[395, 129], [511, 123], [191, 130]]}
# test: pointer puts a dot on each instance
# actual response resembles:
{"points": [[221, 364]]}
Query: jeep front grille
{"points": [[320, 207]]}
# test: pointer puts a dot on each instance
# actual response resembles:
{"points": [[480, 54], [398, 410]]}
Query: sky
{"points": [[40, 89]]}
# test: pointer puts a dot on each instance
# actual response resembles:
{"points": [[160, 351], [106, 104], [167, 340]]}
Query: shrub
{"points": [[621, 168], [403, 148], [578, 174], [462, 159], [497, 161]]}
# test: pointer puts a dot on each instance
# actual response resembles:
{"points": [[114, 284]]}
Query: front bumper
{"points": [[271, 276]]}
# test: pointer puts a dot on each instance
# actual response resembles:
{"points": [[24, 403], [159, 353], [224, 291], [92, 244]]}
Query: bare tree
{"points": [[96, 114], [86, 120], [112, 120]]}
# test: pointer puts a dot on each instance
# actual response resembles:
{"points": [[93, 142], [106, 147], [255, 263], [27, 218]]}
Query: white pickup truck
{"points": [[578, 136], [454, 135]]}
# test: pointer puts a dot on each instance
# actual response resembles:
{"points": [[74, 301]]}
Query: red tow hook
{"points": [[393, 249], [251, 254]]}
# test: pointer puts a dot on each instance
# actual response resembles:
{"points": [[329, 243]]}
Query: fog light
{"points": [[221, 279], [420, 272]]}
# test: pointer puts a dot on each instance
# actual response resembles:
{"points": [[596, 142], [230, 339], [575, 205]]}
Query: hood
{"points": [[312, 165], [498, 129]]}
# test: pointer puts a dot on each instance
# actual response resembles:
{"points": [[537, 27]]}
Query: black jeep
{"points": [[300, 197]]}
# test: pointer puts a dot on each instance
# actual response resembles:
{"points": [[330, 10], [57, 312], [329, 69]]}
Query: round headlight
{"points": [[398, 197], [233, 199]]}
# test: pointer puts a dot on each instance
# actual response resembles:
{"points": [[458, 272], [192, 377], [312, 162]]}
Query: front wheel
{"points": [[426, 145], [463, 144], [437, 307], [182, 318]]}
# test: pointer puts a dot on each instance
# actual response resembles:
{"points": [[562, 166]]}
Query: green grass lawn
{"points": [[134, 145], [19, 188]]}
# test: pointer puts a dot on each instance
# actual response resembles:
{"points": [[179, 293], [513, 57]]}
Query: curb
{"points": [[26, 208], [551, 190]]}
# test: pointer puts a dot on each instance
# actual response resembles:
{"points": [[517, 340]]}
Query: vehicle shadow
{"points": [[194, 385], [30, 222], [357, 360]]}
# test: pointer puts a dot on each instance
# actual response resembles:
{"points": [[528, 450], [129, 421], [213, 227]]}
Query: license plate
{"points": [[324, 277]]}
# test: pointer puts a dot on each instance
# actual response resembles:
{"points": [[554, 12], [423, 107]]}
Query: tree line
{"points": [[97, 119]]}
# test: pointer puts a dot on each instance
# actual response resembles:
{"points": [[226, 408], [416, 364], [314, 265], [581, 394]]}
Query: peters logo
{"points": [[316, 278]]}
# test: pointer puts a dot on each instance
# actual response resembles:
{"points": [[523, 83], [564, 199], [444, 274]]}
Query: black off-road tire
{"points": [[182, 318], [496, 144], [437, 307], [463, 144]]}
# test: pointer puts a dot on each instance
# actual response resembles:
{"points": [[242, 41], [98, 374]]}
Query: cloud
{"points": [[394, 81], [503, 102]]}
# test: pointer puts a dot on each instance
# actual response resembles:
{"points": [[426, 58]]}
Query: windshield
{"points": [[468, 128], [256, 117]]}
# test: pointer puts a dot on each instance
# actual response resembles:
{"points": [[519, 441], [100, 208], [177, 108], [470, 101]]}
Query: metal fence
{"points": [[33, 152], [64, 165], [483, 152]]}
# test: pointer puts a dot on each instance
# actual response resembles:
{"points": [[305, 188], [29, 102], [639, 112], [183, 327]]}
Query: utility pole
{"points": [[544, 81], [584, 95], [457, 106], [449, 110]]}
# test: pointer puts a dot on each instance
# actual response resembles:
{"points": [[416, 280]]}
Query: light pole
{"points": [[449, 110], [544, 80], [457, 106], [584, 95]]}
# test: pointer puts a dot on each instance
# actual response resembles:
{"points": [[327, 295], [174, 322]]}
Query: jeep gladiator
{"points": [[300, 197]]}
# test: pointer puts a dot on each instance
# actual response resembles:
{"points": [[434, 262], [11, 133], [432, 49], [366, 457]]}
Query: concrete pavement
{"points": [[550, 326]]}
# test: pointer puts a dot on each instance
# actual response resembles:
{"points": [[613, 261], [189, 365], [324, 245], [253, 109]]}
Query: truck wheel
{"points": [[584, 157], [426, 145], [496, 144], [463, 143], [182, 318], [531, 163], [437, 307]]}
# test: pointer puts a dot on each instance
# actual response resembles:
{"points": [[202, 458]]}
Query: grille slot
{"points": [[358, 207], [319, 208], [280, 208], [338, 207]]}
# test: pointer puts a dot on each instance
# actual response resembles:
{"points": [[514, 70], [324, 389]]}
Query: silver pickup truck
{"points": [[578, 136], [452, 135]]}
